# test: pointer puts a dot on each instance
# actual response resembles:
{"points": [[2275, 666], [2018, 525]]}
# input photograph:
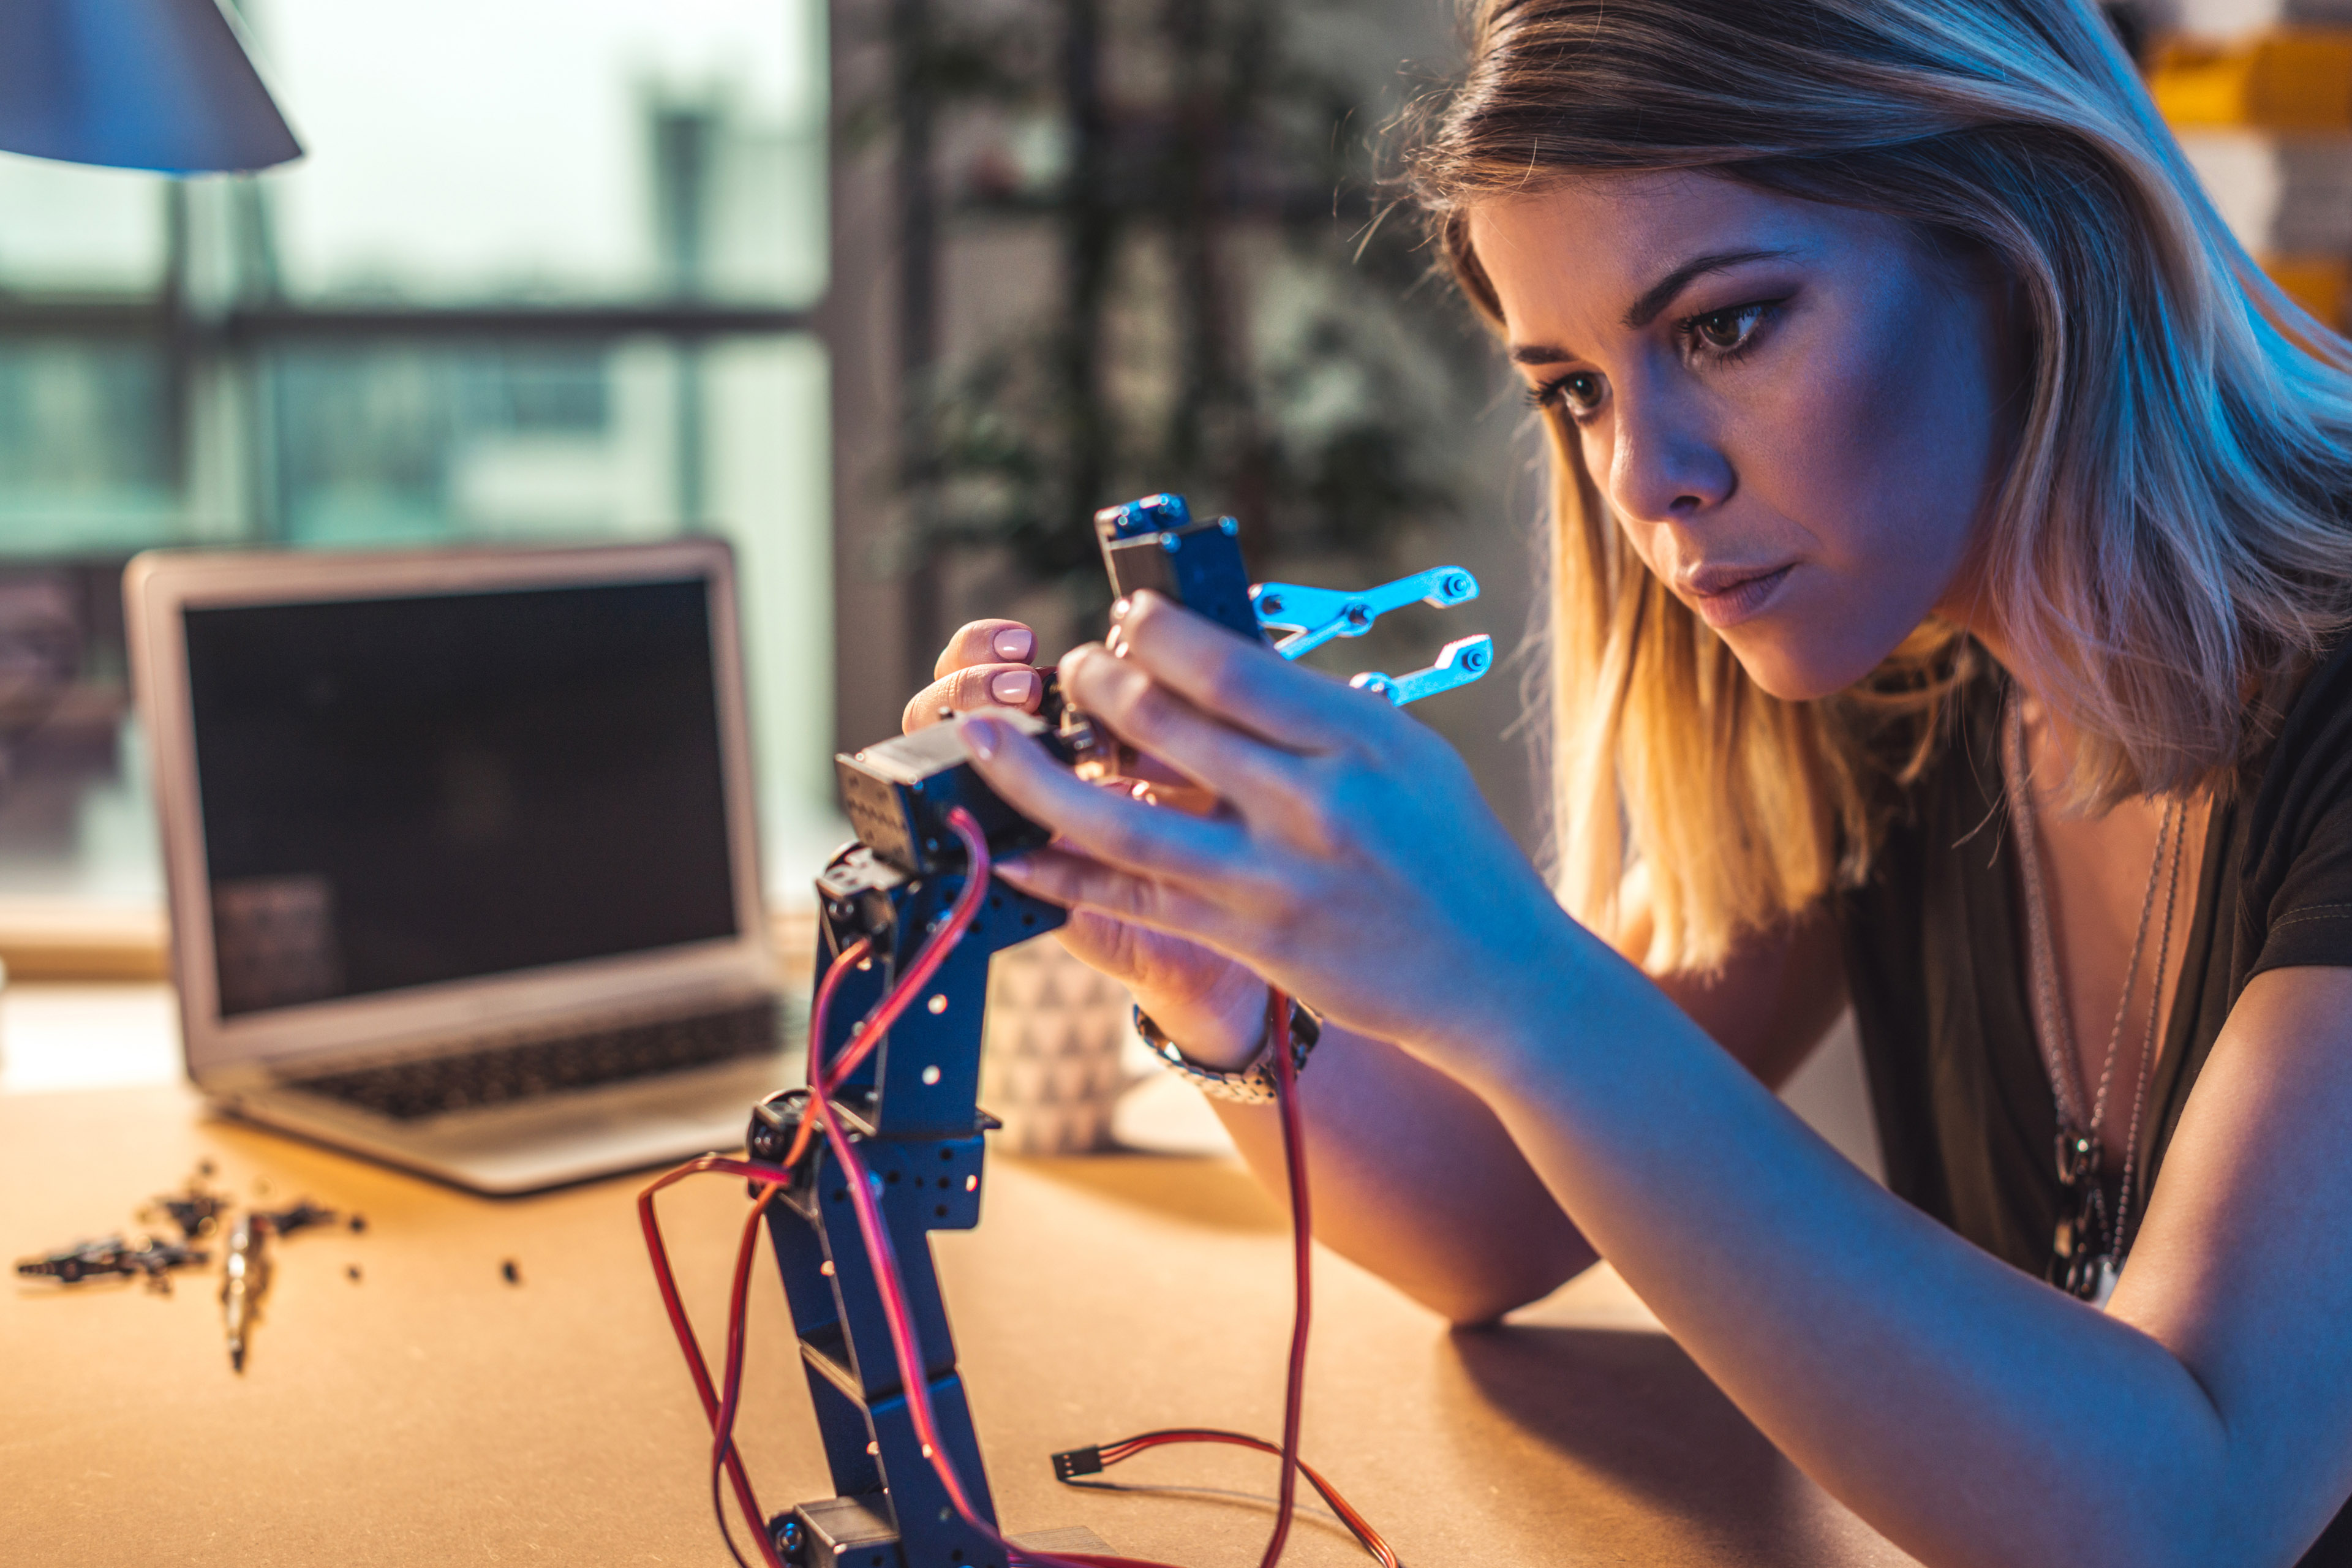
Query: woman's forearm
{"points": [[1968, 1411], [1415, 1178]]}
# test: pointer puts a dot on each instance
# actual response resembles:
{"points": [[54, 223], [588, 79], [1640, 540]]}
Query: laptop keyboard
{"points": [[500, 1074]]}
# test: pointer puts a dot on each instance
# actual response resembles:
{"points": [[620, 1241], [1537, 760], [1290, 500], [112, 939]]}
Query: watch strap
{"points": [[1253, 1083]]}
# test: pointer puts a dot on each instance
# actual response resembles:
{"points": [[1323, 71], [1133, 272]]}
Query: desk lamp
{"points": [[136, 84]]}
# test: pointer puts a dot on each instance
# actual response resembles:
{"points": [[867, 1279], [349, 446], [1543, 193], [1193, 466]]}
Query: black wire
{"points": [[719, 1508]]}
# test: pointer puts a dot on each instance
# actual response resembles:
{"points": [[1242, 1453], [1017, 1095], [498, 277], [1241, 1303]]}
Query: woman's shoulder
{"points": [[2318, 714], [2307, 753], [2295, 897]]}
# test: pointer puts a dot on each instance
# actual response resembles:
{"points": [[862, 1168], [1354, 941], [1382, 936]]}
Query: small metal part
{"points": [[114, 1255], [1459, 664], [82, 1260], [509, 1272], [846, 1530], [352, 1272], [1315, 615], [156, 1260], [301, 1217], [1094, 752], [245, 1274], [195, 1211], [1152, 514]]}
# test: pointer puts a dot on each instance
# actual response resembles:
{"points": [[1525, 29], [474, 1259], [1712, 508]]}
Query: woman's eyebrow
{"points": [[1654, 300], [1661, 294]]}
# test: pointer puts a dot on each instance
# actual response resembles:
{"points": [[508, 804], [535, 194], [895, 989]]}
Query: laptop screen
{"points": [[403, 792]]}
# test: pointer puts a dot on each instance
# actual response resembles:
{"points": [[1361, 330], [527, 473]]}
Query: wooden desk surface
{"points": [[430, 1412]]}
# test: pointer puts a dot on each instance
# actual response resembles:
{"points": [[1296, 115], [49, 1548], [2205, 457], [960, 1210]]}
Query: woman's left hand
{"points": [[1352, 860]]}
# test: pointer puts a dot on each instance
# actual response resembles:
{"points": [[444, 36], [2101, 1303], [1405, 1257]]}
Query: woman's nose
{"points": [[1664, 467]]}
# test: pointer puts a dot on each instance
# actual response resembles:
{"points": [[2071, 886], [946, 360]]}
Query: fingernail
{"points": [[1116, 643], [1014, 643], [1012, 687], [982, 736], [1119, 608]]}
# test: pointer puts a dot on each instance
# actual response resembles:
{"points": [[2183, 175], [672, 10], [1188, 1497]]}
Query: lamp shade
{"points": [[136, 84]]}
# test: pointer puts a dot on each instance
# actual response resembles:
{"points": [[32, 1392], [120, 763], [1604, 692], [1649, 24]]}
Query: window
{"points": [[544, 275]]}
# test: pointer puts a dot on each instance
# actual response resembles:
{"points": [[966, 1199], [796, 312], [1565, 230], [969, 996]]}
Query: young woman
{"points": [[1952, 559]]}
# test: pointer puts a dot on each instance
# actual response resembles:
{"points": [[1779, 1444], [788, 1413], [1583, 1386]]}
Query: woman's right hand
{"points": [[1214, 1007]]}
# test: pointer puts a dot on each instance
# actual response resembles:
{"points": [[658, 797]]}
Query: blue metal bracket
{"points": [[1459, 663], [1313, 616]]}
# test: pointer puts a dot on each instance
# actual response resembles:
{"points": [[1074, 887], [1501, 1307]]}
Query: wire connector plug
{"points": [[1077, 1462]]}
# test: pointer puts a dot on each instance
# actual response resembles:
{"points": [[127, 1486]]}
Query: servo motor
{"points": [[1154, 543], [898, 794]]}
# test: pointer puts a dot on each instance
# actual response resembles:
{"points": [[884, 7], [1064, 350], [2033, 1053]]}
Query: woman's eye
{"points": [[1578, 392], [1727, 332]]}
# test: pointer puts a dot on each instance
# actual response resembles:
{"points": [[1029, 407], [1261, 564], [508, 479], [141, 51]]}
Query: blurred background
{"points": [[891, 293]]}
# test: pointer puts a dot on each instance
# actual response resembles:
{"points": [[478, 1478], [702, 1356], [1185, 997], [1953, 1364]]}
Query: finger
{"points": [[982, 685], [1081, 883], [1106, 824], [1124, 697], [987, 642], [1244, 683]]}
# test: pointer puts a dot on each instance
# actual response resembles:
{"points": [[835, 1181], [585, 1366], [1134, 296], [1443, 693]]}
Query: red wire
{"points": [[875, 1232], [723, 1446], [1127, 1449], [722, 1429], [822, 1009], [1302, 1259], [824, 1078], [683, 1328]]}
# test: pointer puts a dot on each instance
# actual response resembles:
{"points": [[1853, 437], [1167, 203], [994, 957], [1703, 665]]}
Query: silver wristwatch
{"points": [[1251, 1084]]}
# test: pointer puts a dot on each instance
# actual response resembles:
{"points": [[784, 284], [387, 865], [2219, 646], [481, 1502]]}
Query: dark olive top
{"points": [[1935, 964]]}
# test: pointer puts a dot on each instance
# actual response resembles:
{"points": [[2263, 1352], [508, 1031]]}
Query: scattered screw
{"points": [[301, 1217], [512, 1274], [359, 1221], [204, 1167], [353, 1273]]}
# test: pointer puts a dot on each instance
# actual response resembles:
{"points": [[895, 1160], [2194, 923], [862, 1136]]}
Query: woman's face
{"points": [[1797, 412]]}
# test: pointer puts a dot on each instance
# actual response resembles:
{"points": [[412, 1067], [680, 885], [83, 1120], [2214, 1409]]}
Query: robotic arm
{"points": [[903, 926]]}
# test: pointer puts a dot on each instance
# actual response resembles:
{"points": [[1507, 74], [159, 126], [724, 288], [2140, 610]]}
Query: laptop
{"points": [[461, 851]]}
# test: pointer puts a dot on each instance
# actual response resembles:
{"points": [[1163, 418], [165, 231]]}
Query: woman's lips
{"points": [[1734, 600]]}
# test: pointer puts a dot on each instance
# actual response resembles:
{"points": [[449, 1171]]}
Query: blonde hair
{"points": [[2167, 552]]}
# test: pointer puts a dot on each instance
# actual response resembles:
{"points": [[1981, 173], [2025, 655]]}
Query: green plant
{"points": [[1297, 369]]}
